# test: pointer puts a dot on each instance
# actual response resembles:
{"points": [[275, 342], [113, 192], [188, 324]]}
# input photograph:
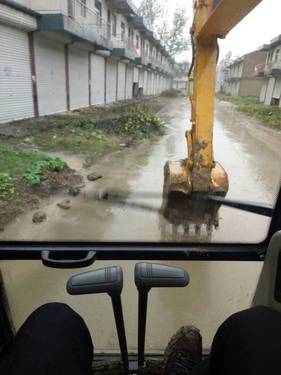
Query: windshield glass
{"points": [[92, 113]]}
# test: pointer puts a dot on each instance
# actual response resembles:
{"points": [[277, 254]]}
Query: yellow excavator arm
{"points": [[200, 173]]}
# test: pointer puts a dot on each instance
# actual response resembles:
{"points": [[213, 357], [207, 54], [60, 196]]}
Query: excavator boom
{"points": [[199, 173]]}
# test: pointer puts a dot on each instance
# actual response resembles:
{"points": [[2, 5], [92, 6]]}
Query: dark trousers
{"points": [[247, 343], [54, 340]]}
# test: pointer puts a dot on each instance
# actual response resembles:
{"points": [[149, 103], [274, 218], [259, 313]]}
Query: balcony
{"points": [[273, 69], [123, 6], [138, 22], [125, 49], [74, 19], [155, 63], [143, 59]]}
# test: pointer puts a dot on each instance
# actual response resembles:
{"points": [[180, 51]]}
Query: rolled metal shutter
{"points": [[145, 83], [50, 72], [16, 99], [121, 81], [78, 78], [98, 79], [149, 84], [157, 84], [141, 79], [111, 81], [152, 92], [129, 82]]}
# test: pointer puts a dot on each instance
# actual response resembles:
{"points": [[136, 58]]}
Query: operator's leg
{"points": [[53, 340], [247, 343]]}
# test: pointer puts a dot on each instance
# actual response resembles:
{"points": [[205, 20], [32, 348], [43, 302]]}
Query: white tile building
{"points": [[60, 55]]}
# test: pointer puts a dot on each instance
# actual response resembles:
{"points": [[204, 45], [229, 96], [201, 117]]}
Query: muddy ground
{"points": [[71, 133], [28, 198]]}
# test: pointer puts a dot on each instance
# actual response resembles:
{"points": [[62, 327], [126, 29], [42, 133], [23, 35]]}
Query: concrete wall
{"points": [[251, 60], [242, 79], [250, 87]]}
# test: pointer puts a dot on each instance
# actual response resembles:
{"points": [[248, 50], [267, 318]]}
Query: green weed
{"points": [[7, 185], [34, 174], [140, 123], [268, 115]]}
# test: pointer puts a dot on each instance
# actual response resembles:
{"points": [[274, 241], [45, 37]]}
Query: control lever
{"points": [[147, 276], [105, 280]]}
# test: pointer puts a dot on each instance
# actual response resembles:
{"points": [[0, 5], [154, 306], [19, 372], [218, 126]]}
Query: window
{"points": [[108, 16], [270, 55], [84, 8], [147, 49], [85, 79], [131, 34], [108, 24], [277, 52], [123, 31], [98, 7], [71, 8], [138, 41], [114, 25]]}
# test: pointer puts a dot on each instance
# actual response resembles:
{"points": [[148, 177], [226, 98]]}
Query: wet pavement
{"points": [[251, 155]]}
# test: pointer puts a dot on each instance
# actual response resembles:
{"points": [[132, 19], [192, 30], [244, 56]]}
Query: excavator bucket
{"points": [[184, 202], [180, 178]]}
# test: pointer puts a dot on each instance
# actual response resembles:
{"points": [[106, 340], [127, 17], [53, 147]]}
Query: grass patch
{"points": [[29, 166], [93, 143], [16, 163], [34, 174], [93, 131], [7, 185], [269, 115]]}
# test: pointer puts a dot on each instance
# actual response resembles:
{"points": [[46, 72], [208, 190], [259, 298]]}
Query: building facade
{"points": [[61, 55], [241, 79], [271, 72]]}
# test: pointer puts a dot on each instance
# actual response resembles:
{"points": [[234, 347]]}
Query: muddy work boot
{"points": [[183, 352]]}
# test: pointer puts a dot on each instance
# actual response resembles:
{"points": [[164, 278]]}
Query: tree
{"points": [[223, 71], [170, 29], [182, 68], [175, 38], [149, 10], [227, 60]]}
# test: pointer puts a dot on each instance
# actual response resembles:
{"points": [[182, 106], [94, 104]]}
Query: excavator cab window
{"points": [[153, 201]]}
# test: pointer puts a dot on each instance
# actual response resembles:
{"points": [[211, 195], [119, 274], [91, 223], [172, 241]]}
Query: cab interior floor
{"points": [[153, 367]]}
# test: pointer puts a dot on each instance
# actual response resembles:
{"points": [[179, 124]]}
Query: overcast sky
{"points": [[259, 27]]}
